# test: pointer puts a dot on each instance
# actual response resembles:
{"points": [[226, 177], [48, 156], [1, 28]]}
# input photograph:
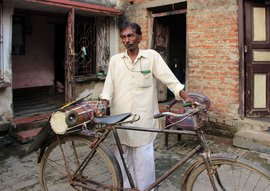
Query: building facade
{"points": [[51, 51], [216, 47], [222, 49]]}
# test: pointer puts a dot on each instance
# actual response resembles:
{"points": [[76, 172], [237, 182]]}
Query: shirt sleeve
{"points": [[163, 73], [107, 92]]}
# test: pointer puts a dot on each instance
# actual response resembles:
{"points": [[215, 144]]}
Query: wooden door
{"points": [[257, 58], [160, 44]]}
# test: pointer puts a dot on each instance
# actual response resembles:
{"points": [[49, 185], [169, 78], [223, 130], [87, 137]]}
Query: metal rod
{"points": [[119, 146], [91, 154], [174, 168], [189, 132]]}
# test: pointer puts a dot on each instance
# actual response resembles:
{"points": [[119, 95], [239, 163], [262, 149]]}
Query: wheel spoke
{"points": [[101, 173], [57, 168], [234, 176], [233, 179], [266, 187], [246, 181]]}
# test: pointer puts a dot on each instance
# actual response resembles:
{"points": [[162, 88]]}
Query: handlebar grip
{"points": [[188, 104], [158, 115]]}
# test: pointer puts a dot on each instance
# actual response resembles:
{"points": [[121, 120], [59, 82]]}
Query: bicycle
{"points": [[79, 159]]}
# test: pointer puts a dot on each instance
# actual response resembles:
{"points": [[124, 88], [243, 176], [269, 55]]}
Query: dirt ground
{"points": [[20, 173]]}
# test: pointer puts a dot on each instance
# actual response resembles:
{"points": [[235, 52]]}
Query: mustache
{"points": [[129, 45]]}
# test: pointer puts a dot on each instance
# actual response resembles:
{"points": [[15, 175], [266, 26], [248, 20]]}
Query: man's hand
{"points": [[106, 104], [185, 97]]}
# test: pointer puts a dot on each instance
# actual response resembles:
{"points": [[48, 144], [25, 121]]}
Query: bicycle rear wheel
{"points": [[101, 173], [234, 176]]}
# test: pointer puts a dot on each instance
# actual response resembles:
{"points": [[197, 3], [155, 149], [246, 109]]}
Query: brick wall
{"points": [[212, 31], [212, 52]]}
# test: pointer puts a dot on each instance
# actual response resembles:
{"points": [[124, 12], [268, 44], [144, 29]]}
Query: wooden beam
{"points": [[70, 58], [182, 11], [79, 6]]}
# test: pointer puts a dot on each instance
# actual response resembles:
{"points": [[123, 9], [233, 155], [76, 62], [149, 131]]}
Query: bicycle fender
{"points": [[42, 138], [52, 138], [199, 161]]}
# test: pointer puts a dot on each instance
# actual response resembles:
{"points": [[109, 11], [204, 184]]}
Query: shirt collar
{"points": [[141, 53]]}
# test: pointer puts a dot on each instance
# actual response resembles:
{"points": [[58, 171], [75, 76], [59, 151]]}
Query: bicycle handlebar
{"points": [[190, 111]]}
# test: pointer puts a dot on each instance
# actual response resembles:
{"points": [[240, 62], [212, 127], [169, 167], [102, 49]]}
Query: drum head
{"points": [[58, 122], [71, 118]]}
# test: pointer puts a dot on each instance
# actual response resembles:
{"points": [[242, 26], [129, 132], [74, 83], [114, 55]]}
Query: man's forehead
{"points": [[128, 30]]}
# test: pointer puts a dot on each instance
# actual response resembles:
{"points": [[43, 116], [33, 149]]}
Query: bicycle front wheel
{"points": [[60, 161], [234, 176]]}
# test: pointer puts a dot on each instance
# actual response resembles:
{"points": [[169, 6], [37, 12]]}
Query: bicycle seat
{"points": [[112, 119]]}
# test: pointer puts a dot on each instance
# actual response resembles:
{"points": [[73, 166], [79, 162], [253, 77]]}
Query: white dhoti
{"points": [[140, 162]]}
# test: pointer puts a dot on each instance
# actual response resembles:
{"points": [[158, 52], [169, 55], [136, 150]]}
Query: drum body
{"points": [[64, 119]]}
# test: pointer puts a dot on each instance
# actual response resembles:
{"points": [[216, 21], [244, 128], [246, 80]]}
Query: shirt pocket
{"points": [[145, 81]]}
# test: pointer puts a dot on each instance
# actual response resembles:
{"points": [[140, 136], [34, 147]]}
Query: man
{"points": [[130, 86]]}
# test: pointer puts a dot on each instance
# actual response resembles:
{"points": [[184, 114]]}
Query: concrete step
{"points": [[253, 140], [26, 128], [19, 123], [257, 124], [253, 134], [26, 136]]}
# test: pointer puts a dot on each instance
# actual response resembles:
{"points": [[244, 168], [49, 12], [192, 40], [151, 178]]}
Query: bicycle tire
{"points": [[102, 169], [234, 175]]}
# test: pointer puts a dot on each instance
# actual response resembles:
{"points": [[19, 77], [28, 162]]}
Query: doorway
{"points": [[37, 65], [257, 58], [170, 41], [39, 61]]}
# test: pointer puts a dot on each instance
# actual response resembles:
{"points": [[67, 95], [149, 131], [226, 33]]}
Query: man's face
{"points": [[130, 39]]}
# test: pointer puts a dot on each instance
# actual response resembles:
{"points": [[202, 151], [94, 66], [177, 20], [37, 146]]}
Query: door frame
{"points": [[241, 49], [153, 18]]}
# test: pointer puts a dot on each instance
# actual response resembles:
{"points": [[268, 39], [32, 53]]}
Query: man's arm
{"points": [[108, 89]]}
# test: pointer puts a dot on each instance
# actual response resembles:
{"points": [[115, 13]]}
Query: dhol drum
{"points": [[62, 120]]}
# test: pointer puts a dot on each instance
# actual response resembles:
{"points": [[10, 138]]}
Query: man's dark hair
{"points": [[134, 26]]}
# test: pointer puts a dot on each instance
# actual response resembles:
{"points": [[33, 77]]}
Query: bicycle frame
{"points": [[202, 149], [166, 174], [84, 157]]}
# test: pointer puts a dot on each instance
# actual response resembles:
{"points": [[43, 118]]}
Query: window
{"points": [[85, 46], [92, 45]]}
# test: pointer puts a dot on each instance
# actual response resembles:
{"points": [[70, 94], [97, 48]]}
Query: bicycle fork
{"points": [[211, 168]]}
